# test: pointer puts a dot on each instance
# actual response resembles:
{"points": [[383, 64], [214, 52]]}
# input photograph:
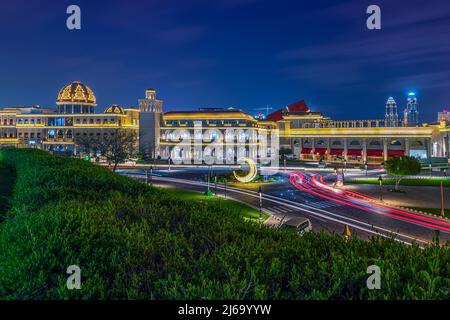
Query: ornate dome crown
{"points": [[76, 93], [115, 109]]}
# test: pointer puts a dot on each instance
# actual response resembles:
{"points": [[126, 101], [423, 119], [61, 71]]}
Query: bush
{"points": [[132, 241]]}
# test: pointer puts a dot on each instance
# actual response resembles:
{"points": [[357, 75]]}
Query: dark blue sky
{"points": [[243, 53]]}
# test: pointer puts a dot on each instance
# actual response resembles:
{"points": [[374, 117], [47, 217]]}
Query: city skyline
{"points": [[196, 57]]}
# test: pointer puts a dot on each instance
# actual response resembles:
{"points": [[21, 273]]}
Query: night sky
{"points": [[221, 53]]}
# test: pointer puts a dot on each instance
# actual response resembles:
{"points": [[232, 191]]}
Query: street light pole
{"points": [[365, 165], [215, 184], [225, 181], [146, 176], [442, 200], [151, 175], [260, 202]]}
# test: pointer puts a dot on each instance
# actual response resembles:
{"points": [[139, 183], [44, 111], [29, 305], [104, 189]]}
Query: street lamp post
{"points": [[260, 202], [442, 200], [146, 176], [380, 179], [215, 184], [284, 163], [169, 162], [430, 168], [365, 166], [225, 182], [151, 175]]}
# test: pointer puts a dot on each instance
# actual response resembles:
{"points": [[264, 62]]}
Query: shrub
{"points": [[133, 241]]}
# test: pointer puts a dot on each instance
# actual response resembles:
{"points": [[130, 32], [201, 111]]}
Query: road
{"points": [[297, 194]]}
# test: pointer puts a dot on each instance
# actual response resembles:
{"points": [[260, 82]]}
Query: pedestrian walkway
{"points": [[323, 204], [278, 209]]}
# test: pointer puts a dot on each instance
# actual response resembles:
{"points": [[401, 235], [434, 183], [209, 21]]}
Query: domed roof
{"points": [[76, 93], [115, 109]]}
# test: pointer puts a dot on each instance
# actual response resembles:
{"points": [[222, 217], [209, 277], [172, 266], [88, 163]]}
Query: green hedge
{"points": [[132, 241], [7, 177]]}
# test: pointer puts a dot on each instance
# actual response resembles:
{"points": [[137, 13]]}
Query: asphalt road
{"points": [[284, 200]]}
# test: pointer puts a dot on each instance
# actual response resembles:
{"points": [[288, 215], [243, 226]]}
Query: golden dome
{"points": [[115, 109], [76, 93]]}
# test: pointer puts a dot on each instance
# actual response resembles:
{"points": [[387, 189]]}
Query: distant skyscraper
{"points": [[411, 118], [444, 115], [391, 113]]}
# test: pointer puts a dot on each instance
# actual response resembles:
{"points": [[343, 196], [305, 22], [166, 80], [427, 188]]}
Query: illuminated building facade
{"points": [[313, 137], [411, 116], [150, 117], [309, 135], [391, 113], [200, 131], [58, 130], [444, 115]]}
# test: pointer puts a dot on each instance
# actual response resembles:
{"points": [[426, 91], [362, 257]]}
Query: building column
{"points": [[345, 149], [407, 146], [364, 155], [313, 148], [385, 149], [429, 147], [328, 147], [301, 148], [447, 145]]}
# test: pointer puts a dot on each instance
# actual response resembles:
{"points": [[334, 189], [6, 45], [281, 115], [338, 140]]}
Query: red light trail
{"points": [[315, 185]]}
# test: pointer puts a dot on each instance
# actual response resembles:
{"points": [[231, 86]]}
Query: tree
{"points": [[402, 166], [88, 144], [117, 147]]}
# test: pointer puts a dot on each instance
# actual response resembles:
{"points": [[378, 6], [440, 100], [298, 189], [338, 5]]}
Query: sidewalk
{"points": [[424, 197]]}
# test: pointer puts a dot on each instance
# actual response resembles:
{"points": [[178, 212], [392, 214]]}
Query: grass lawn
{"points": [[431, 182], [7, 177], [247, 212], [435, 211]]}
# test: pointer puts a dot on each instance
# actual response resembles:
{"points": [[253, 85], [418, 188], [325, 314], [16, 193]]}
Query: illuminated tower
{"points": [[149, 124], [411, 118], [391, 113]]}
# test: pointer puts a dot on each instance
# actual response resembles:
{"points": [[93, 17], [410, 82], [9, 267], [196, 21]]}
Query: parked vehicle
{"points": [[301, 225]]}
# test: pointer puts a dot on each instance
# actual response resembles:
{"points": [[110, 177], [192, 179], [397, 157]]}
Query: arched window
{"points": [[396, 143], [374, 143], [355, 143], [337, 143], [320, 143]]}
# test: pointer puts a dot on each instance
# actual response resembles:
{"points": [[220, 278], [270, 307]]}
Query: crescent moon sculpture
{"points": [[251, 174]]}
